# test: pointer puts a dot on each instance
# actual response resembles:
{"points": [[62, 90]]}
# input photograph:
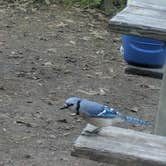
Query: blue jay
{"points": [[97, 114]]}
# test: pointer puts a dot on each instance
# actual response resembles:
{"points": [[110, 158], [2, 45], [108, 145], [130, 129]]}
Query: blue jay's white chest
{"points": [[103, 122], [100, 122]]}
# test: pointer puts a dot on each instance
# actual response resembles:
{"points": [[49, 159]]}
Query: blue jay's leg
{"points": [[95, 129], [91, 132]]}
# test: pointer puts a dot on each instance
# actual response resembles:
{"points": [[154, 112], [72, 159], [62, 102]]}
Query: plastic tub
{"points": [[144, 52]]}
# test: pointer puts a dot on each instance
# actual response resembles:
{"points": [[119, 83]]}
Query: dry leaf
{"points": [[72, 42], [48, 64], [61, 25], [90, 92], [134, 109]]}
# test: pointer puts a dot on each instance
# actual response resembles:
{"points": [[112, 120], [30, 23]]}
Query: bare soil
{"points": [[48, 55]]}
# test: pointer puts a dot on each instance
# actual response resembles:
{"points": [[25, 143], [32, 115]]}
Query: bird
{"points": [[98, 114]]}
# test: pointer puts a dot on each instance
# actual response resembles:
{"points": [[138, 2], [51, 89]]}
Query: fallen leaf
{"points": [[52, 50], [69, 20], [39, 142], [24, 123], [66, 134], [73, 114], [86, 38], [102, 92], [78, 120], [90, 92], [2, 88], [111, 70], [154, 87], [97, 35], [27, 156], [4, 129], [134, 109], [48, 64], [16, 55], [62, 120], [61, 25], [149, 86], [100, 52]]}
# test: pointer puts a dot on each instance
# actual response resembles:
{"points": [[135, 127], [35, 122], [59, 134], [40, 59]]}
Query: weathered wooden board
{"points": [[142, 20], [149, 72], [159, 4], [122, 147], [160, 126]]}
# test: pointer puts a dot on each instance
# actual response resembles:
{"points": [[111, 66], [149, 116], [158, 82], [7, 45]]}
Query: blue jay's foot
{"points": [[91, 133]]}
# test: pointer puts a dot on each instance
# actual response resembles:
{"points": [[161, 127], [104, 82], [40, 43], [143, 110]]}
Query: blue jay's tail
{"points": [[136, 120]]}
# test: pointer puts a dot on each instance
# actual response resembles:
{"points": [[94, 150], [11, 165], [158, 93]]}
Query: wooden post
{"points": [[108, 6], [160, 124]]}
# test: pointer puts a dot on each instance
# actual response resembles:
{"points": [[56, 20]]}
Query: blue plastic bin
{"points": [[144, 52]]}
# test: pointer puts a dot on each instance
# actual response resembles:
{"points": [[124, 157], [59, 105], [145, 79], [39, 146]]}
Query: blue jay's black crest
{"points": [[94, 112]]}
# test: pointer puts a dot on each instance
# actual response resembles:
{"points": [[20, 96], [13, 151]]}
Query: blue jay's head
{"points": [[72, 103]]}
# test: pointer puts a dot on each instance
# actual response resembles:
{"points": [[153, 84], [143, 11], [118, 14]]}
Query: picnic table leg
{"points": [[108, 6], [160, 124]]}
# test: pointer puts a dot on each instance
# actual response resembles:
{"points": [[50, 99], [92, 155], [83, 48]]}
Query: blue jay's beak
{"points": [[64, 107]]}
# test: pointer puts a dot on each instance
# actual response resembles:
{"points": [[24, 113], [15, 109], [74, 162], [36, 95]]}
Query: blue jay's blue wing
{"points": [[95, 110], [108, 113], [113, 114], [91, 108]]}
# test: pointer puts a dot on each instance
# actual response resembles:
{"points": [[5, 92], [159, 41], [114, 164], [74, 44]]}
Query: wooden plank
{"points": [[160, 125], [141, 21], [159, 4], [122, 147], [148, 72]]}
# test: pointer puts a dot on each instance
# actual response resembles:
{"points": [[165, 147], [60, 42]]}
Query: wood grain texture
{"points": [[159, 4], [160, 125], [122, 147], [146, 21]]}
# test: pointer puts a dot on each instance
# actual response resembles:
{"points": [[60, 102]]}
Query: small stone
{"points": [[29, 101], [62, 120], [2, 88], [4, 129], [73, 114], [39, 142], [50, 103], [102, 92], [78, 120], [27, 156], [52, 136], [86, 38]]}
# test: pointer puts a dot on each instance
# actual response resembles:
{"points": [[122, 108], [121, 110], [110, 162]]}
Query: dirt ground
{"points": [[48, 55]]}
